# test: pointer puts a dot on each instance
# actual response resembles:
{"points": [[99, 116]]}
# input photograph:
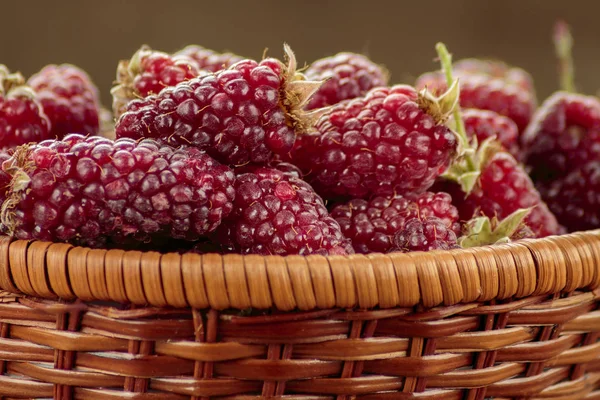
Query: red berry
{"points": [[209, 60], [485, 124], [277, 213], [502, 188], [425, 234], [384, 143], [346, 76], [371, 225], [147, 73], [91, 191], [22, 119], [564, 134], [574, 198], [243, 114], [486, 93], [494, 69]]}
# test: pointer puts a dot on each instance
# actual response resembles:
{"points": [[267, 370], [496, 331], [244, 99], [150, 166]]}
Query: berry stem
{"points": [[446, 62], [563, 45]]}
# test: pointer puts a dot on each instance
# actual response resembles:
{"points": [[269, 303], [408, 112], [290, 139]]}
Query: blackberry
{"points": [[148, 72], [425, 234], [69, 98], [242, 114], [393, 140], [484, 124], [486, 93], [92, 190], [371, 225], [491, 182], [277, 213], [346, 76], [209, 60], [22, 119]]}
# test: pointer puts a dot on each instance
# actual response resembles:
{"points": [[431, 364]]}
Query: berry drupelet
{"points": [[22, 118], [393, 140], [275, 212], [346, 76], [484, 124], [242, 114], [209, 60], [147, 73], [92, 190], [424, 234], [371, 225]]}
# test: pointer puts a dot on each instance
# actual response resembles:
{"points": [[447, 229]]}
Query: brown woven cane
{"points": [[516, 321]]}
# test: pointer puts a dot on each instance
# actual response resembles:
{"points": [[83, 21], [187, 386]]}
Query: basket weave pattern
{"points": [[517, 321]]}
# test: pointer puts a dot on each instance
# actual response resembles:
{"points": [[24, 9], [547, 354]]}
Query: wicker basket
{"points": [[517, 321]]}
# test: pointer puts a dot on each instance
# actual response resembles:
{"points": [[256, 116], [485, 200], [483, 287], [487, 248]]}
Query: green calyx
{"points": [[482, 231], [563, 46], [441, 107], [11, 82], [466, 167]]}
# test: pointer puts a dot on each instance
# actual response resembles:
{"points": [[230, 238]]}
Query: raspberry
{"points": [[425, 234], [242, 114], [574, 198], [92, 190], [277, 213], [346, 76], [502, 188], [564, 134], [22, 119], [148, 72], [487, 93], [209, 60], [371, 225], [386, 142], [484, 124], [494, 69]]}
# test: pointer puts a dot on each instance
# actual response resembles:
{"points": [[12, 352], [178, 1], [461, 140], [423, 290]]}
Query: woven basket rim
{"points": [[526, 269]]}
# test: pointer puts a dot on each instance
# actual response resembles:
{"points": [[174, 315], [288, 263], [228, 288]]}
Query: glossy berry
{"points": [[91, 191], [22, 119], [69, 99], [209, 60], [487, 93], [484, 124], [494, 69], [503, 187], [346, 76], [277, 213], [147, 73], [381, 144], [575, 198], [425, 234], [243, 114], [371, 225], [563, 135]]}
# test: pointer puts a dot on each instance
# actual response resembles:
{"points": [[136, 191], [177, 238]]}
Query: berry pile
{"points": [[214, 152]]}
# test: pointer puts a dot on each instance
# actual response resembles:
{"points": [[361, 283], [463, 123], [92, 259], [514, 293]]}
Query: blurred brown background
{"points": [[399, 34]]}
